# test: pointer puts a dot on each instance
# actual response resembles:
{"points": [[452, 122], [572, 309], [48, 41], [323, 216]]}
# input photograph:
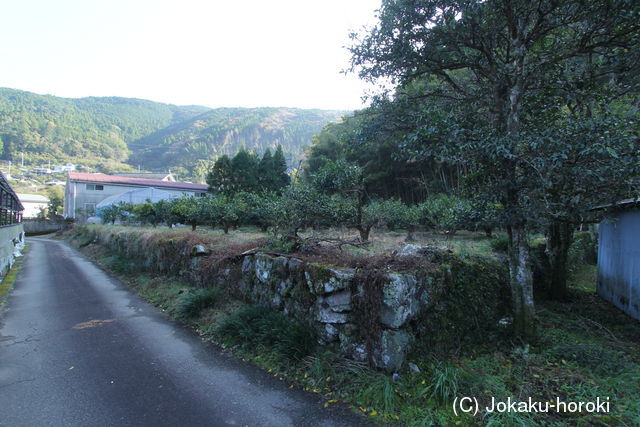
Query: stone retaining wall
{"points": [[465, 291]]}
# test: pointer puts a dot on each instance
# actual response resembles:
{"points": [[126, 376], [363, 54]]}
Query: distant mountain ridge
{"points": [[110, 132]]}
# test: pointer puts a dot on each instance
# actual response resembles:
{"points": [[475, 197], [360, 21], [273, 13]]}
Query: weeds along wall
{"points": [[378, 309]]}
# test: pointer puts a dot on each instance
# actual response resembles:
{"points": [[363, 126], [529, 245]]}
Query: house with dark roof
{"points": [[85, 190]]}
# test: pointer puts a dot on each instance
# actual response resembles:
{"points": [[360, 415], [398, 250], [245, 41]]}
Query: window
{"points": [[89, 208], [95, 187], [201, 194]]}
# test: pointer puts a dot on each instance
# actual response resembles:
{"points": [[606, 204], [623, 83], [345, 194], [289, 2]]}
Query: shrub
{"points": [[583, 250], [500, 244], [192, 303], [257, 325], [447, 213]]}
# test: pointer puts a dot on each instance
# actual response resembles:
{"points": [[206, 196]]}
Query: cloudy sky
{"points": [[206, 52]]}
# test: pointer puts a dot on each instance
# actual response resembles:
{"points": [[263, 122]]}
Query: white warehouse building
{"points": [[84, 191]]}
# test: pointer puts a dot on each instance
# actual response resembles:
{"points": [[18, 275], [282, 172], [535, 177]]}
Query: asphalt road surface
{"points": [[78, 349]]}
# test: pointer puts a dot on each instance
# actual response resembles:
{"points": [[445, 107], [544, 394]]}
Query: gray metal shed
{"points": [[619, 257]]}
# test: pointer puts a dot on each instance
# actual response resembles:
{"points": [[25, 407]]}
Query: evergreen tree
{"points": [[244, 169], [266, 177], [281, 179], [220, 177]]}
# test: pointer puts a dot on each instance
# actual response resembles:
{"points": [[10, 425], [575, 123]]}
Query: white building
{"points": [[33, 204], [85, 190], [69, 167]]}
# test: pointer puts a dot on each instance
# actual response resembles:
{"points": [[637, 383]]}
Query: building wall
{"points": [[32, 209], [619, 261], [77, 196], [11, 242]]}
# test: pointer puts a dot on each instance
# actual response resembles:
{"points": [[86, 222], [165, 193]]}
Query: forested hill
{"points": [[225, 130], [110, 132]]}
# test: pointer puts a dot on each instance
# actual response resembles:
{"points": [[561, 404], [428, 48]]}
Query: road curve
{"points": [[134, 367]]}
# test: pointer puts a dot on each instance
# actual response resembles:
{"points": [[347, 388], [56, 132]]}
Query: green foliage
{"points": [[256, 325], [583, 250], [220, 177], [471, 296], [515, 94], [108, 214], [393, 214], [444, 383], [601, 360], [222, 210], [300, 206], [245, 172], [369, 139], [278, 173], [191, 303], [379, 391], [187, 210], [164, 213], [500, 244], [260, 208], [508, 418], [56, 200], [446, 213], [147, 213], [338, 177]]}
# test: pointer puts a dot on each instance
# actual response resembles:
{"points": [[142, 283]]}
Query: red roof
{"points": [[142, 182]]}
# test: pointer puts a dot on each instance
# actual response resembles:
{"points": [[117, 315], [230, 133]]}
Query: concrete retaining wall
{"points": [[11, 242], [39, 226]]}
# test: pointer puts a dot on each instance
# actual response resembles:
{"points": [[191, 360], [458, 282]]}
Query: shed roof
{"points": [[622, 204], [142, 182], [37, 198]]}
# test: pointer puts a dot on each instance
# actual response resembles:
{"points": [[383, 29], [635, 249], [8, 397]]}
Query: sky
{"points": [[216, 53]]}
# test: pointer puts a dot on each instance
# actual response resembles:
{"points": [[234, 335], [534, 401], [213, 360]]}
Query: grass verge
{"points": [[6, 286]]}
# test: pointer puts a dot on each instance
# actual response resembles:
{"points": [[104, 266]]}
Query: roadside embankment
{"points": [[370, 309]]}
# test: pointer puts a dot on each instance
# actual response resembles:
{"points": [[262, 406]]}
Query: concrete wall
{"points": [[619, 261], [11, 242], [38, 226]]}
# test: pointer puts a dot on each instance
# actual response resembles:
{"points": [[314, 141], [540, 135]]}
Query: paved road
{"points": [[136, 369]]}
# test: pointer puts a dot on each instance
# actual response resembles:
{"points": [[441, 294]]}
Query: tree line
{"points": [[332, 198], [529, 105]]}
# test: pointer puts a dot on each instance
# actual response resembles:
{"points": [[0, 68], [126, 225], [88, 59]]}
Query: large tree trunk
{"points": [[364, 231], [521, 281], [559, 237]]}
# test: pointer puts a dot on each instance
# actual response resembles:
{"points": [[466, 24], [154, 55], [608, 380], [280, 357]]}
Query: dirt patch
{"points": [[92, 323]]}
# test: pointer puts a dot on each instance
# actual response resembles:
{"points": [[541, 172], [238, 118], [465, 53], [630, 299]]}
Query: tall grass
{"points": [[444, 384], [263, 326], [193, 302]]}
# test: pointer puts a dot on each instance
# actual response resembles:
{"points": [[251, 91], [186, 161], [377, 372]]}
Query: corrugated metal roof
{"points": [[142, 182], [626, 203], [23, 197]]}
